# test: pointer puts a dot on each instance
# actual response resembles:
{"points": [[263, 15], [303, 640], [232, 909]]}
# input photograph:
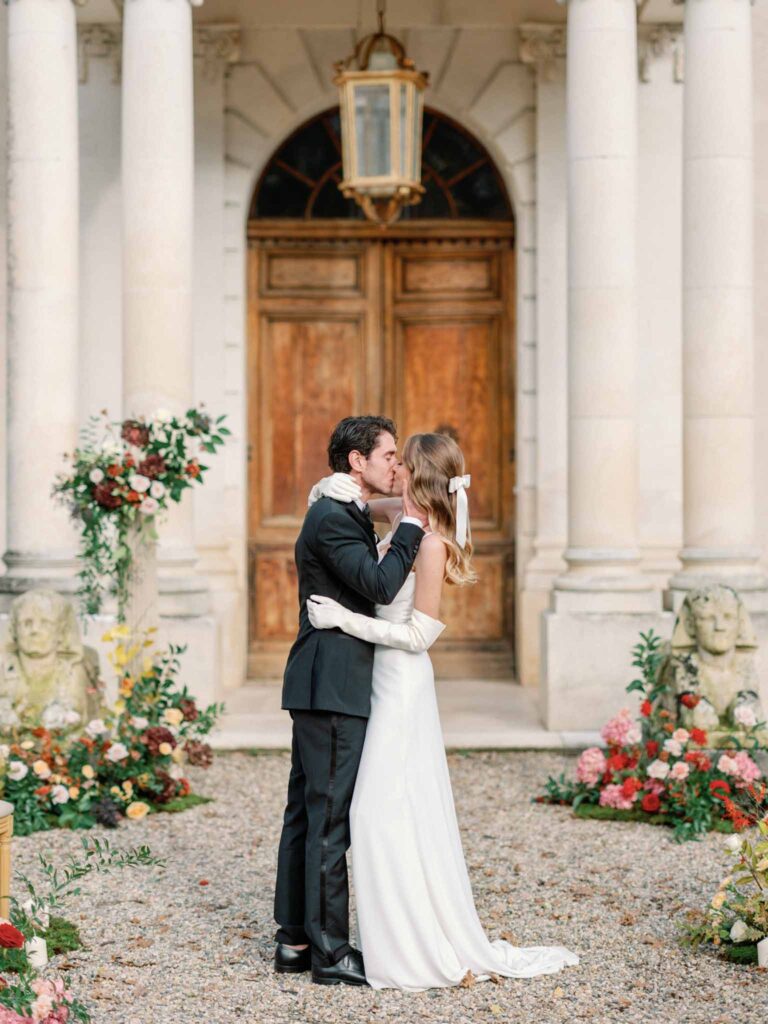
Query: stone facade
{"points": [[545, 92]]}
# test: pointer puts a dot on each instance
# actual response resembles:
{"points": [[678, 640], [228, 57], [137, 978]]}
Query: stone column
{"points": [[42, 211], [718, 358], [602, 600], [157, 177]]}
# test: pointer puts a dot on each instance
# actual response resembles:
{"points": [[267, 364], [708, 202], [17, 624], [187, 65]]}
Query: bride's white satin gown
{"points": [[416, 915]]}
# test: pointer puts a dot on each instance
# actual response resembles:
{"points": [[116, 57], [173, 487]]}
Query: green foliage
{"points": [[183, 803], [62, 936]]}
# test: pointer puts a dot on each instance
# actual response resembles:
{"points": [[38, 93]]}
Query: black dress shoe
{"points": [[292, 961], [348, 971]]}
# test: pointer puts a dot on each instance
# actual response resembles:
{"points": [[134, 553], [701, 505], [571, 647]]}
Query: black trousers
{"points": [[312, 890]]}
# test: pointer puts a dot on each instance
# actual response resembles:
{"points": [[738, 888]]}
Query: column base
{"points": [[587, 662], [26, 571], [730, 567]]}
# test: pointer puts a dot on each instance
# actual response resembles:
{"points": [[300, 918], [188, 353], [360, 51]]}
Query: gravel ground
{"points": [[161, 947]]}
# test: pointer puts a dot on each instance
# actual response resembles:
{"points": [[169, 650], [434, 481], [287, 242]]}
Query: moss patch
{"points": [[183, 803], [62, 936], [614, 814]]}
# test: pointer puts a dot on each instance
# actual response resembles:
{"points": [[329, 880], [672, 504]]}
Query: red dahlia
{"points": [[719, 788], [189, 709], [10, 937], [651, 803], [152, 466], [156, 735], [104, 494], [645, 708], [630, 786], [699, 736], [690, 700], [651, 748], [136, 433]]}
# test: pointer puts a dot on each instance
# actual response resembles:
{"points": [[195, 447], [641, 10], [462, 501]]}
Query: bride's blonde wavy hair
{"points": [[432, 460]]}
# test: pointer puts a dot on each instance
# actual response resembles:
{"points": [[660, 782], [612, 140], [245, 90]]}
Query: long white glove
{"points": [[340, 486], [418, 634]]}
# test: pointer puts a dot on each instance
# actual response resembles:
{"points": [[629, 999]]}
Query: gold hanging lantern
{"points": [[381, 96]]}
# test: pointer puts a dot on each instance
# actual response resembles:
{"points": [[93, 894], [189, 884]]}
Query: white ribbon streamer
{"points": [[458, 485]]}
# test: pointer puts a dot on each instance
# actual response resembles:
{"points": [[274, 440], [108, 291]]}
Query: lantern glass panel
{"points": [[402, 170], [418, 103], [372, 130]]}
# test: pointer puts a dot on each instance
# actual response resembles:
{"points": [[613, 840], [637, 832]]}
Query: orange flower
{"points": [[134, 496], [192, 469], [43, 790], [114, 469]]}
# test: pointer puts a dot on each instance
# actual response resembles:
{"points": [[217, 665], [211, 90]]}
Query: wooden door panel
{"points": [[312, 375], [447, 276], [450, 380]]}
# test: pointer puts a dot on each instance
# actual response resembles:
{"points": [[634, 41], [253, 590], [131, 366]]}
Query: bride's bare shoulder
{"points": [[432, 550]]}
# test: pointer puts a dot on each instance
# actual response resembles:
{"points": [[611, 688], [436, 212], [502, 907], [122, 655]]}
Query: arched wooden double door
{"points": [[416, 323]]}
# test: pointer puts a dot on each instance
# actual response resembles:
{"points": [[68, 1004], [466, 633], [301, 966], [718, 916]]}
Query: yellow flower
{"points": [[137, 810], [165, 749], [179, 755], [147, 665], [27, 744], [41, 769], [174, 716], [74, 792], [107, 637], [128, 787], [55, 778], [144, 779], [88, 771], [119, 706], [115, 791], [718, 900], [122, 630]]}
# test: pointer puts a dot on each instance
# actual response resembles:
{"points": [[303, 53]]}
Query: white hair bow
{"points": [[459, 485]]}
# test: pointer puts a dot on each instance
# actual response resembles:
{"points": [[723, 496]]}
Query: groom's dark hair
{"points": [[356, 434]]}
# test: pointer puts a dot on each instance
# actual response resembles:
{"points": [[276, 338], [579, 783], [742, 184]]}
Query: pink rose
{"points": [[590, 766], [680, 771], [613, 796], [621, 730]]}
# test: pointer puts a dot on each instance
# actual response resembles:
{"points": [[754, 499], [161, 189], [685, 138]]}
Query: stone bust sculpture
{"points": [[712, 655], [47, 676]]}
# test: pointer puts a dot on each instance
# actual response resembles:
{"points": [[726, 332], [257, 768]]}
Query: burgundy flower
{"points": [[189, 709], [156, 735], [152, 466], [134, 432], [198, 753], [104, 494], [168, 790]]}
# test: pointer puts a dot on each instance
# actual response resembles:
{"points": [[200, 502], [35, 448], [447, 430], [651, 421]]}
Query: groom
{"points": [[327, 689]]}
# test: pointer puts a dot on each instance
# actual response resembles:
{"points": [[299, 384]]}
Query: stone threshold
{"points": [[475, 714]]}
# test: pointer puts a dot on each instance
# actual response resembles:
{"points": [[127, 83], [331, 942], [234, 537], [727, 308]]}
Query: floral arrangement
{"points": [[122, 476], [26, 996], [737, 916], [123, 766], [656, 772]]}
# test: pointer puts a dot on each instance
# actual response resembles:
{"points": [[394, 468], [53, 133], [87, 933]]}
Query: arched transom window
{"points": [[301, 180]]}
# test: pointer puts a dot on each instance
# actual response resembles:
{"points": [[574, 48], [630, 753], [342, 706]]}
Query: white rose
{"points": [[658, 769], [139, 482], [139, 723], [157, 490], [745, 716], [59, 794], [733, 843], [117, 752], [673, 747], [17, 770], [149, 506], [176, 772], [58, 716], [95, 727], [738, 930], [96, 475], [109, 447], [634, 734], [163, 415], [72, 716], [681, 735]]}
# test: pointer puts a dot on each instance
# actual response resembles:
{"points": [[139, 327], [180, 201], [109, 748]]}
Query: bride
{"points": [[417, 920]]}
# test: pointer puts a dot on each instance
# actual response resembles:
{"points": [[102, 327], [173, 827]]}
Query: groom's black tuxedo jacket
{"points": [[336, 556]]}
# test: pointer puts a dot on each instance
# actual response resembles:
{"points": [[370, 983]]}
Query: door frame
{"points": [[489, 663]]}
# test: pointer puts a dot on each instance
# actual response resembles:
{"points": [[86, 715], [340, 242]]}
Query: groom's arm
{"points": [[345, 553]]}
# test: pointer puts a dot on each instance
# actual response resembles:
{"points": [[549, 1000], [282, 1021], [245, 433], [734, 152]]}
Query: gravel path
{"points": [[161, 947]]}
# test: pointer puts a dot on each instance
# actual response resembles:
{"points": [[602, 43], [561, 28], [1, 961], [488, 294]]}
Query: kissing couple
{"points": [[368, 762]]}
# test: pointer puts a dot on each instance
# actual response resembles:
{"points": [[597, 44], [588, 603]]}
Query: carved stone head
{"points": [[715, 620], [42, 623]]}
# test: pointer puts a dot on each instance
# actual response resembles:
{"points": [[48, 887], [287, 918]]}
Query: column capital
{"points": [[216, 46], [657, 40], [541, 45], [99, 41]]}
